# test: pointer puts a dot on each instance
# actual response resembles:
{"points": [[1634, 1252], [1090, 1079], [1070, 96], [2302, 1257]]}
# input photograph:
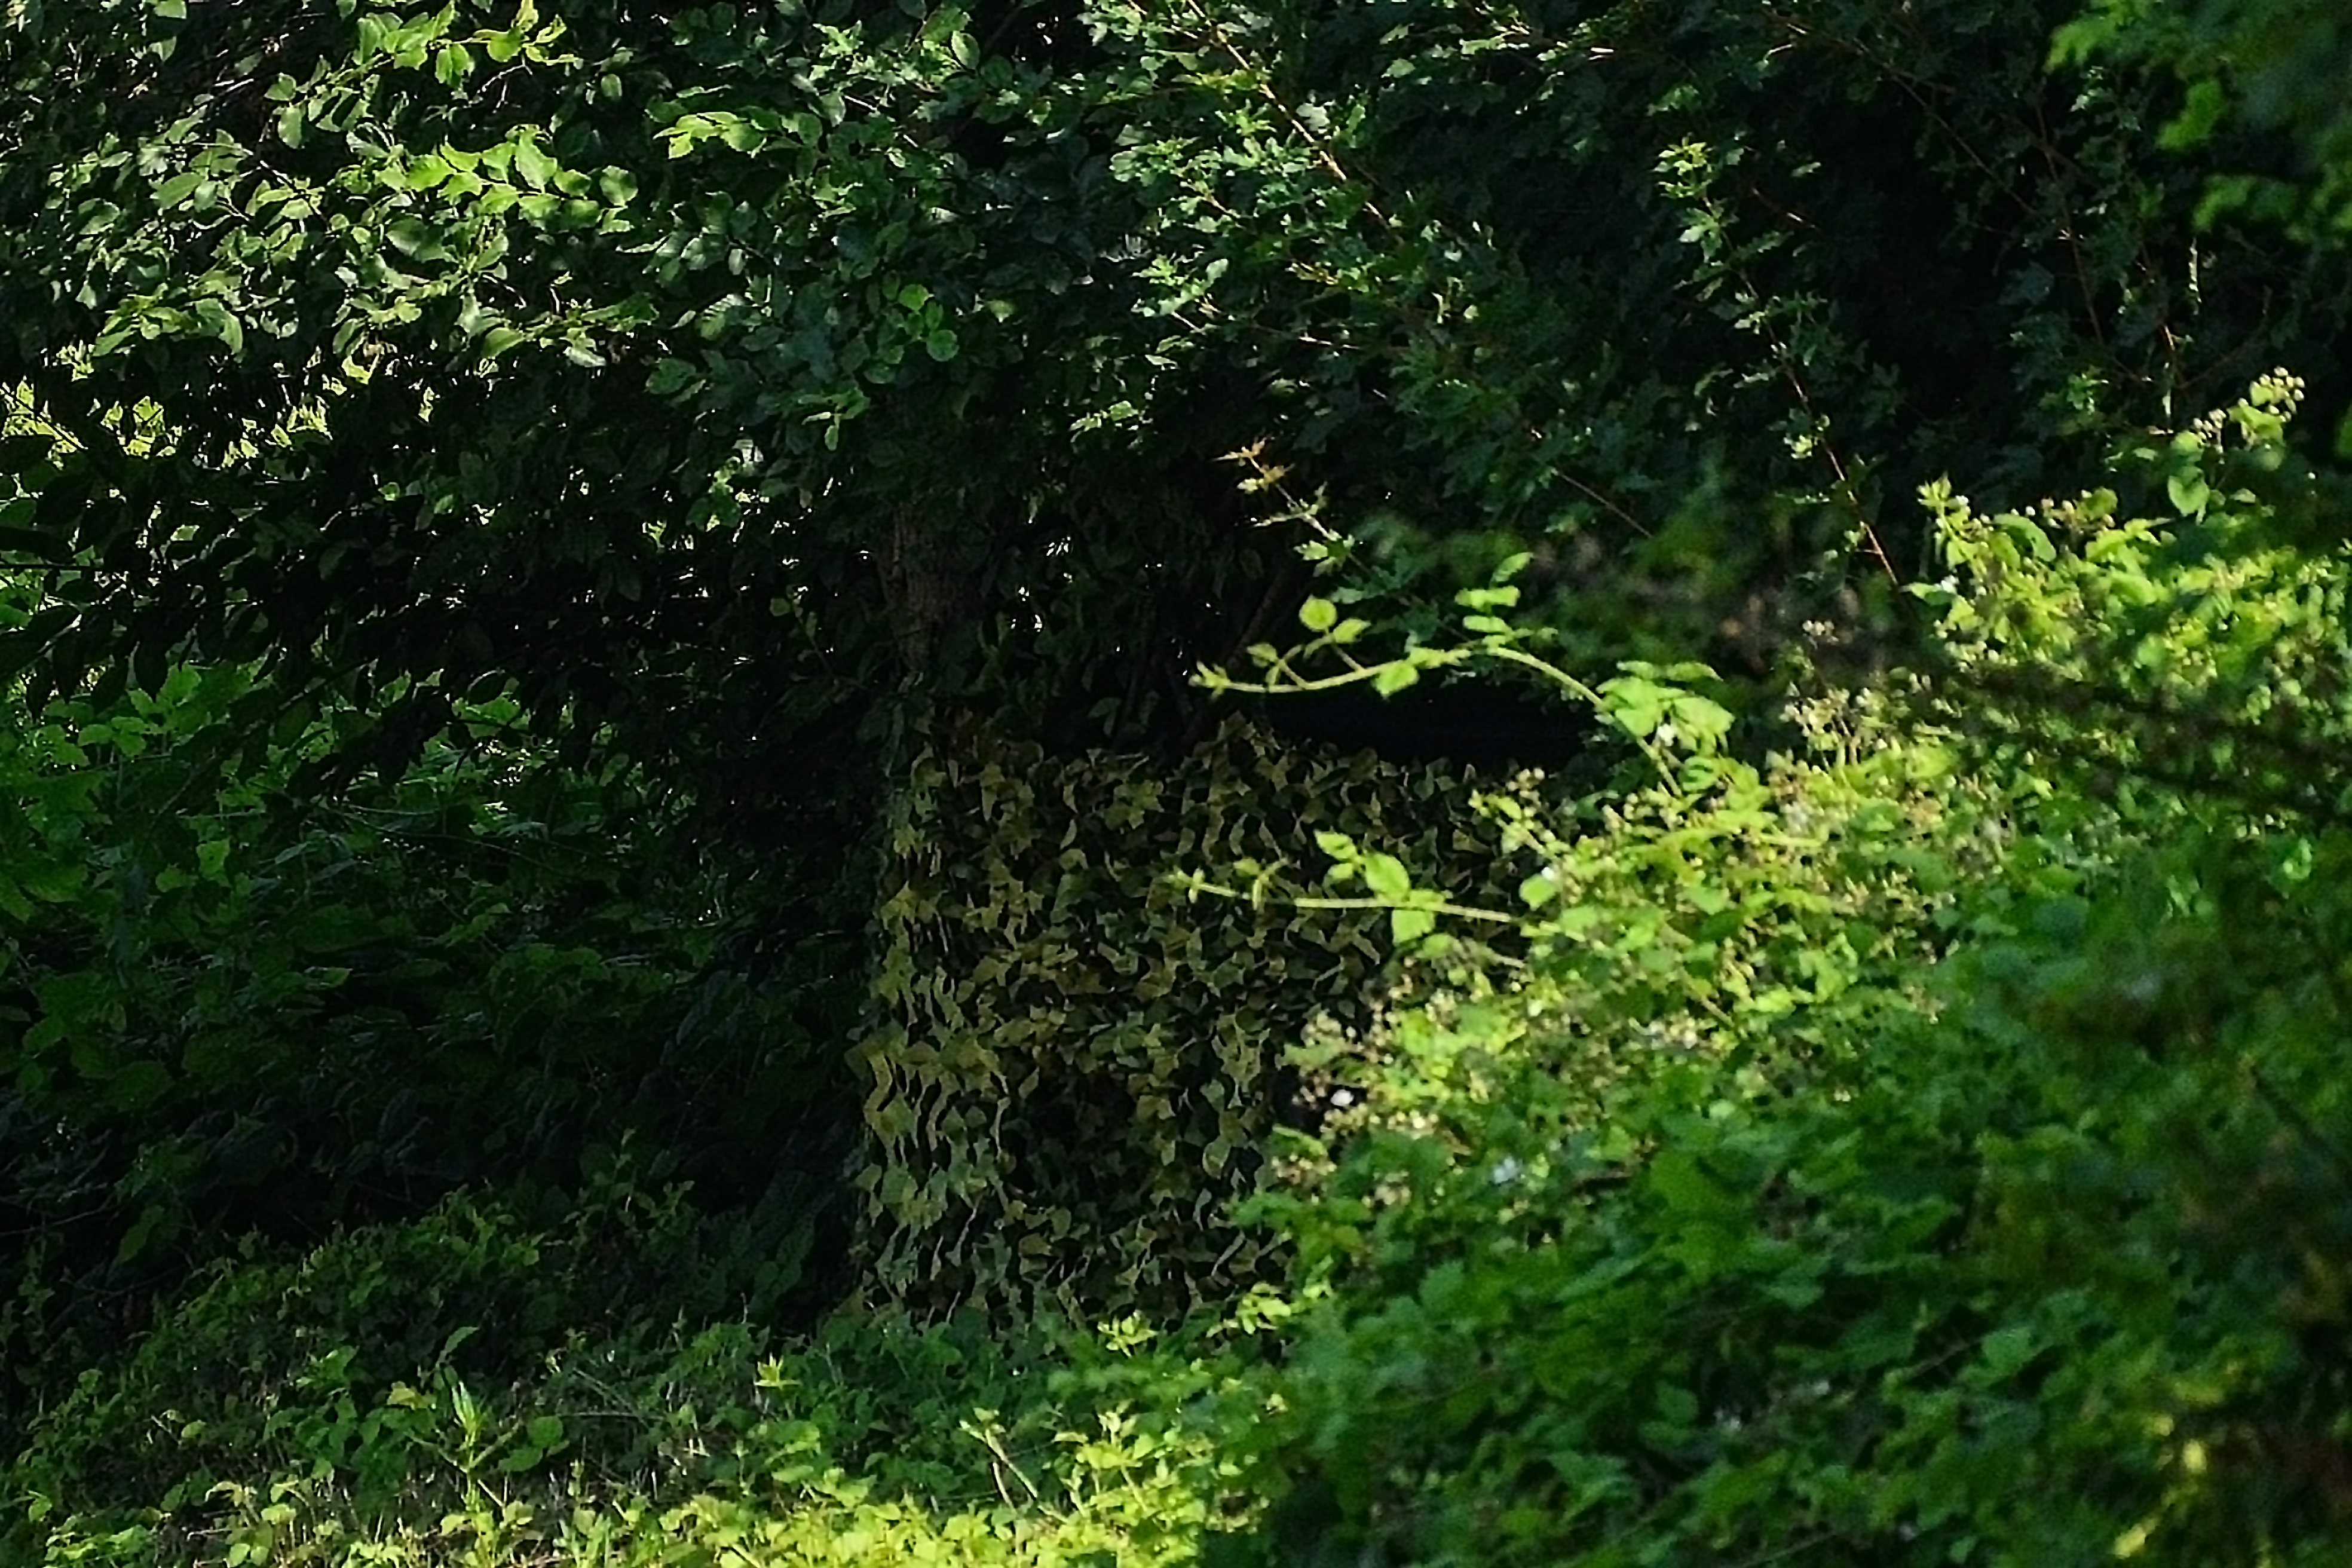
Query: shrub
{"points": [[1925, 1148]]}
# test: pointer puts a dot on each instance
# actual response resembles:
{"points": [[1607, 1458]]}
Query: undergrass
{"points": [[407, 1396]]}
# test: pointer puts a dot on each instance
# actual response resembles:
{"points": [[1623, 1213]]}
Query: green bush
{"points": [[1928, 1147], [226, 1013]]}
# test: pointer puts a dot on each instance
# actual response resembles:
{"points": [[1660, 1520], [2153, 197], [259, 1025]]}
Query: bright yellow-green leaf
{"points": [[1410, 925]]}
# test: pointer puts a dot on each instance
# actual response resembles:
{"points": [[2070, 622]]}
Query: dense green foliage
{"points": [[232, 1011], [1888, 1157], [319, 1410], [2273, 67], [737, 360], [628, 937]]}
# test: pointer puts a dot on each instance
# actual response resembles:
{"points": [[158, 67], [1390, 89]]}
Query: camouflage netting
{"points": [[1077, 1066]]}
